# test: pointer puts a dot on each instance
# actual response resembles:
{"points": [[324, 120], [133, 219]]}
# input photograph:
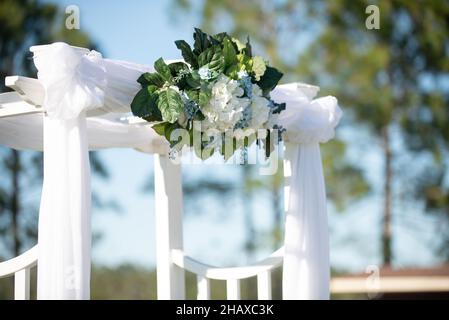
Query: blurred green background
{"points": [[386, 171]]}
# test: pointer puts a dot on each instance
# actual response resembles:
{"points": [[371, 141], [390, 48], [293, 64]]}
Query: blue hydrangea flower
{"points": [[244, 121], [247, 86], [241, 74], [205, 73], [191, 108]]}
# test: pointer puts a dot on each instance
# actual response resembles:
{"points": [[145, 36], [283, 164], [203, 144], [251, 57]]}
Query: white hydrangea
{"points": [[225, 107], [260, 110]]}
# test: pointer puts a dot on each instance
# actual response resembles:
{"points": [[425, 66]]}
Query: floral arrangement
{"points": [[220, 88]]}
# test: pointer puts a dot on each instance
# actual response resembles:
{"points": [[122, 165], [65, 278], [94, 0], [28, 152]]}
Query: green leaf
{"points": [[229, 53], [169, 128], [194, 80], [199, 116], [160, 128], [270, 79], [151, 78], [193, 95], [279, 107], [145, 104], [248, 48], [201, 41], [187, 53], [213, 59], [170, 105], [204, 97], [219, 37], [163, 69], [179, 71], [269, 144], [177, 67], [232, 71]]}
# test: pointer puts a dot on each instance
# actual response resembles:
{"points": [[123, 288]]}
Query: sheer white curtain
{"points": [[76, 82], [306, 269], [64, 218]]}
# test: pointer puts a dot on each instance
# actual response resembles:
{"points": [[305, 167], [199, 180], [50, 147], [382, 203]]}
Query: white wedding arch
{"points": [[81, 101]]}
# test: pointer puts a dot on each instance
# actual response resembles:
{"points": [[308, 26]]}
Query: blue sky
{"points": [[142, 31]]}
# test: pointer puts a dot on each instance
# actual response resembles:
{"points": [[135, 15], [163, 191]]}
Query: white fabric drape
{"points": [[64, 219], [306, 269], [81, 83], [75, 82], [64, 238]]}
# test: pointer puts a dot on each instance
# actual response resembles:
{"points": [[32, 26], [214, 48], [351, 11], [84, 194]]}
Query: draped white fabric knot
{"points": [[73, 80], [306, 120]]}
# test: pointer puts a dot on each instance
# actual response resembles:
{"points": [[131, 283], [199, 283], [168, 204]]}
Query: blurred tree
{"points": [[391, 80], [24, 23], [395, 82]]}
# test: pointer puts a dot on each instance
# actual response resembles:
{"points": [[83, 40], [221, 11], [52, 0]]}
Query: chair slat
{"points": [[233, 289], [203, 288], [264, 285], [22, 284]]}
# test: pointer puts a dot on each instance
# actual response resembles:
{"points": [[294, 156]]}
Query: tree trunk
{"points": [[15, 200], [388, 175]]}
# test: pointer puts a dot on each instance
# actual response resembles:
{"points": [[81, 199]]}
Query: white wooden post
{"points": [[233, 289], [264, 285], [22, 284], [168, 201], [203, 288]]}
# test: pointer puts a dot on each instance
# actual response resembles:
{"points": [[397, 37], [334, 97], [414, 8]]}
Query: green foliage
{"points": [[151, 78], [269, 79], [170, 105], [163, 70], [213, 59], [145, 104], [187, 53], [229, 52], [201, 41], [212, 56]]}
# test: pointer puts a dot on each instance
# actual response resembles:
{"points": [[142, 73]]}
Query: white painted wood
{"points": [[187, 263], [11, 104], [29, 89], [9, 97], [40, 47], [233, 289], [27, 259], [22, 284], [203, 288], [168, 208], [264, 285]]}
